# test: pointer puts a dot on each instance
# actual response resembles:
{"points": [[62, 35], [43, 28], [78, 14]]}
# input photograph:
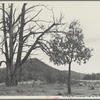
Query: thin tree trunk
{"points": [[69, 78]]}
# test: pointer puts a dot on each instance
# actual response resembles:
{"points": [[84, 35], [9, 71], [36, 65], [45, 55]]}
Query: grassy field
{"points": [[34, 89]]}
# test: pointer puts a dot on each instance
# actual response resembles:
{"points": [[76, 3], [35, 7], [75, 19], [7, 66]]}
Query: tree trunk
{"points": [[11, 81], [11, 78], [69, 78]]}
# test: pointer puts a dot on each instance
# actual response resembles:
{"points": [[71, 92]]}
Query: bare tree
{"points": [[17, 28], [70, 48]]}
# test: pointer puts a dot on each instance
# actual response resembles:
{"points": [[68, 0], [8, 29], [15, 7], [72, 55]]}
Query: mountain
{"points": [[36, 69]]}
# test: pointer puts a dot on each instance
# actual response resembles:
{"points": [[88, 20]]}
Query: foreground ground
{"points": [[37, 89]]}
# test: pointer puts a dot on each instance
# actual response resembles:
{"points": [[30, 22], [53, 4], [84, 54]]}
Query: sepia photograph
{"points": [[50, 49]]}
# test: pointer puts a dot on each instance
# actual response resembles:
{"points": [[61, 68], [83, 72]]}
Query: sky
{"points": [[88, 14]]}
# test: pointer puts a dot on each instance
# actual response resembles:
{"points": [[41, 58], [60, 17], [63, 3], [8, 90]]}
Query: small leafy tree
{"points": [[68, 48]]}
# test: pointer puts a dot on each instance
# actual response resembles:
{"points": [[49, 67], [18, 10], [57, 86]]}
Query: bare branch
{"points": [[31, 7], [18, 18], [40, 27], [2, 50], [33, 17], [21, 35], [2, 62], [4, 31], [14, 14], [4, 11], [42, 21], [35, 43], [15, 49], [29, 34]]}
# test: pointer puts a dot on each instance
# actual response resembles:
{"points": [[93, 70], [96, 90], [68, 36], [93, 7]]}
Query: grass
{"points": [[33, 89]]}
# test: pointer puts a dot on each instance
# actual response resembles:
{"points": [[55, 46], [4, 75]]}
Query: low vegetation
{"points": [[40, 88]]}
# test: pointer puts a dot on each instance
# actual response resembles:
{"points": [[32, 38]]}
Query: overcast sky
{"points": [[88, 14], [89, 17]]}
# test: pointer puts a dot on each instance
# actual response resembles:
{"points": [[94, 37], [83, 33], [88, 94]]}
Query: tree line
{"points": [[93, 76]]}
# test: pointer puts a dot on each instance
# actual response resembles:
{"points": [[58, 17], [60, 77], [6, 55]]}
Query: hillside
{"points": [[36, 69]]}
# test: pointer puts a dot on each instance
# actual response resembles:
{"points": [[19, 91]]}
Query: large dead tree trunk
{"points": [[11, 78], [15, 39]]}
